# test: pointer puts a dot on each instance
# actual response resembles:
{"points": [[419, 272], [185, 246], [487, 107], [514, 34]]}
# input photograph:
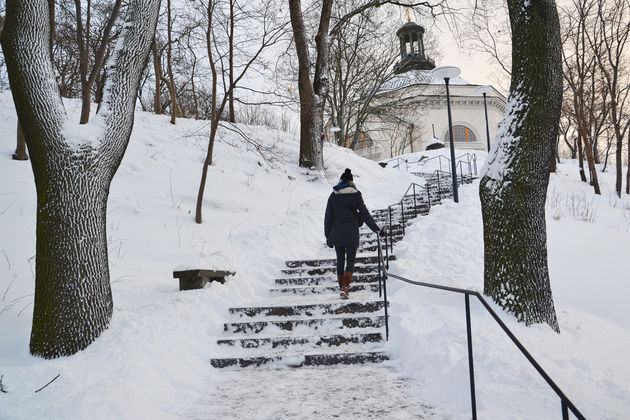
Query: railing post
{"points": [[415, 205], [402, 215], [427, 186], [439, 188], [386, 253], [386, 315], [475, 164], [391, 238], [379, 255], [471, 368], [565, 409]]}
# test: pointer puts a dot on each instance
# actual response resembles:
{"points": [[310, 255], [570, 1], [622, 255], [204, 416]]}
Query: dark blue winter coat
{"points": [[340, 223]]}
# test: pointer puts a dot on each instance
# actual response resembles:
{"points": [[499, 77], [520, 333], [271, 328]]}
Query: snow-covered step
{"points": [[313, 341], [319, 309], [299, 360], [318, 271], [327, 262], [329, 279], [319, 290], [328, 324]]}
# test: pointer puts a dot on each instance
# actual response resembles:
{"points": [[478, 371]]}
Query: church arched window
{"points": [[461, 134]]}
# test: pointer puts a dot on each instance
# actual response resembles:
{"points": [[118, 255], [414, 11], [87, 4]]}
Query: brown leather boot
{"points": [[340, 280], [347, 278]]}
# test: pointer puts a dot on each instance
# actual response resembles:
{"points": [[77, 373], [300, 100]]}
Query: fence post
{"points": [[471, 368]]}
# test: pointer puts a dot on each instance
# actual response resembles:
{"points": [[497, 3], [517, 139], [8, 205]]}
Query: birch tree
{"points": [[514, 180], [73, 166]]}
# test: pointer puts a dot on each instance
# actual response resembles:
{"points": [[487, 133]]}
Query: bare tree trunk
{"points": [[73, 300], [169, 65], [514, 180], [312, 95], [588, 148], [83, 41], [20, 150], [214, 116], [231, 116], [581, 159], [628, 167], [619, 162], [157, 98]]}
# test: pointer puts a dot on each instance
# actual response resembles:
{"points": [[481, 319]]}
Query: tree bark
{"points": [[312, 95], [581, 159], [231, 116], [514, 180], [20, 150], [157, 98], [73, 300], [83, 41], [169, 64], [51, 22]]}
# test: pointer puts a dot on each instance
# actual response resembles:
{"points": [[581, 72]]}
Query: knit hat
{"points": [[347, 175]]}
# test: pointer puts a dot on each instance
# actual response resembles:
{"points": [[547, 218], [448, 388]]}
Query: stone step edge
{"points": [[363, 284], [357, 316], [283, 344], [304, 359], [340, 304], [291, 334]]}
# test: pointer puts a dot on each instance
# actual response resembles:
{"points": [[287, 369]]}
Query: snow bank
{"points": [[590, 288], [260, 209]]}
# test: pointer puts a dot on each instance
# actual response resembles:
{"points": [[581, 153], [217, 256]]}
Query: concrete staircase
{"points": [[305, 322]]}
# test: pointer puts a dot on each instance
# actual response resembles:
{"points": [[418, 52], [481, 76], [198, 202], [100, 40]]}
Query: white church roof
{"points": [[416, 77]]}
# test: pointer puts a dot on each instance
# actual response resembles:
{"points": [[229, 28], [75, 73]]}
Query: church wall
{"points": [[429, 107]]}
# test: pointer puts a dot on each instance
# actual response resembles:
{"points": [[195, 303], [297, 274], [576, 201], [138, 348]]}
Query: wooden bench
{"points": [[197, 279]]}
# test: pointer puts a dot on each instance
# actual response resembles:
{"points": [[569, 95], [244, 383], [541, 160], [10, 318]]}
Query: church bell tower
{"points": [[412, 55]]}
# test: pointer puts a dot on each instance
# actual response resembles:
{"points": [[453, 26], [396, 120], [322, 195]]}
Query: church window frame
{"points": [[462, 134]]}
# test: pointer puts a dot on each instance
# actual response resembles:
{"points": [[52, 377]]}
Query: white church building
{"points": [[409, 112]]}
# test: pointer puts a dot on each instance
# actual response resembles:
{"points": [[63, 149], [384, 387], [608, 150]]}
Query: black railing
{"points": [[565, 403], [437, 185], [468, 159]]}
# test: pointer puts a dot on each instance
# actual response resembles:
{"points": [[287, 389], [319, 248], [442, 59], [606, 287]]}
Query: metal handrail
{"points": [[565, 402], [415, 186], [382, 274]]}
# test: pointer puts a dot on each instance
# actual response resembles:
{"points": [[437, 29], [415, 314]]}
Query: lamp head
{"points": [[445, 72], [483, 89]]}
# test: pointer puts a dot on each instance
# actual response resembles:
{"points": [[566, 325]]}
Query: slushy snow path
{"points": [[371, 391]]}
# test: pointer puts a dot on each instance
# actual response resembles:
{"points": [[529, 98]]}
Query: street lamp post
{"points": [[447, 73], [485, 90]]}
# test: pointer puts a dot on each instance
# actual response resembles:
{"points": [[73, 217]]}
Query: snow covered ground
{"points": [[262, 209]]}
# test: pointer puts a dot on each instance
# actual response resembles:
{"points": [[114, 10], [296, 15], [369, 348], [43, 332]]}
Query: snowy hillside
{"points": [[261, 209]]}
